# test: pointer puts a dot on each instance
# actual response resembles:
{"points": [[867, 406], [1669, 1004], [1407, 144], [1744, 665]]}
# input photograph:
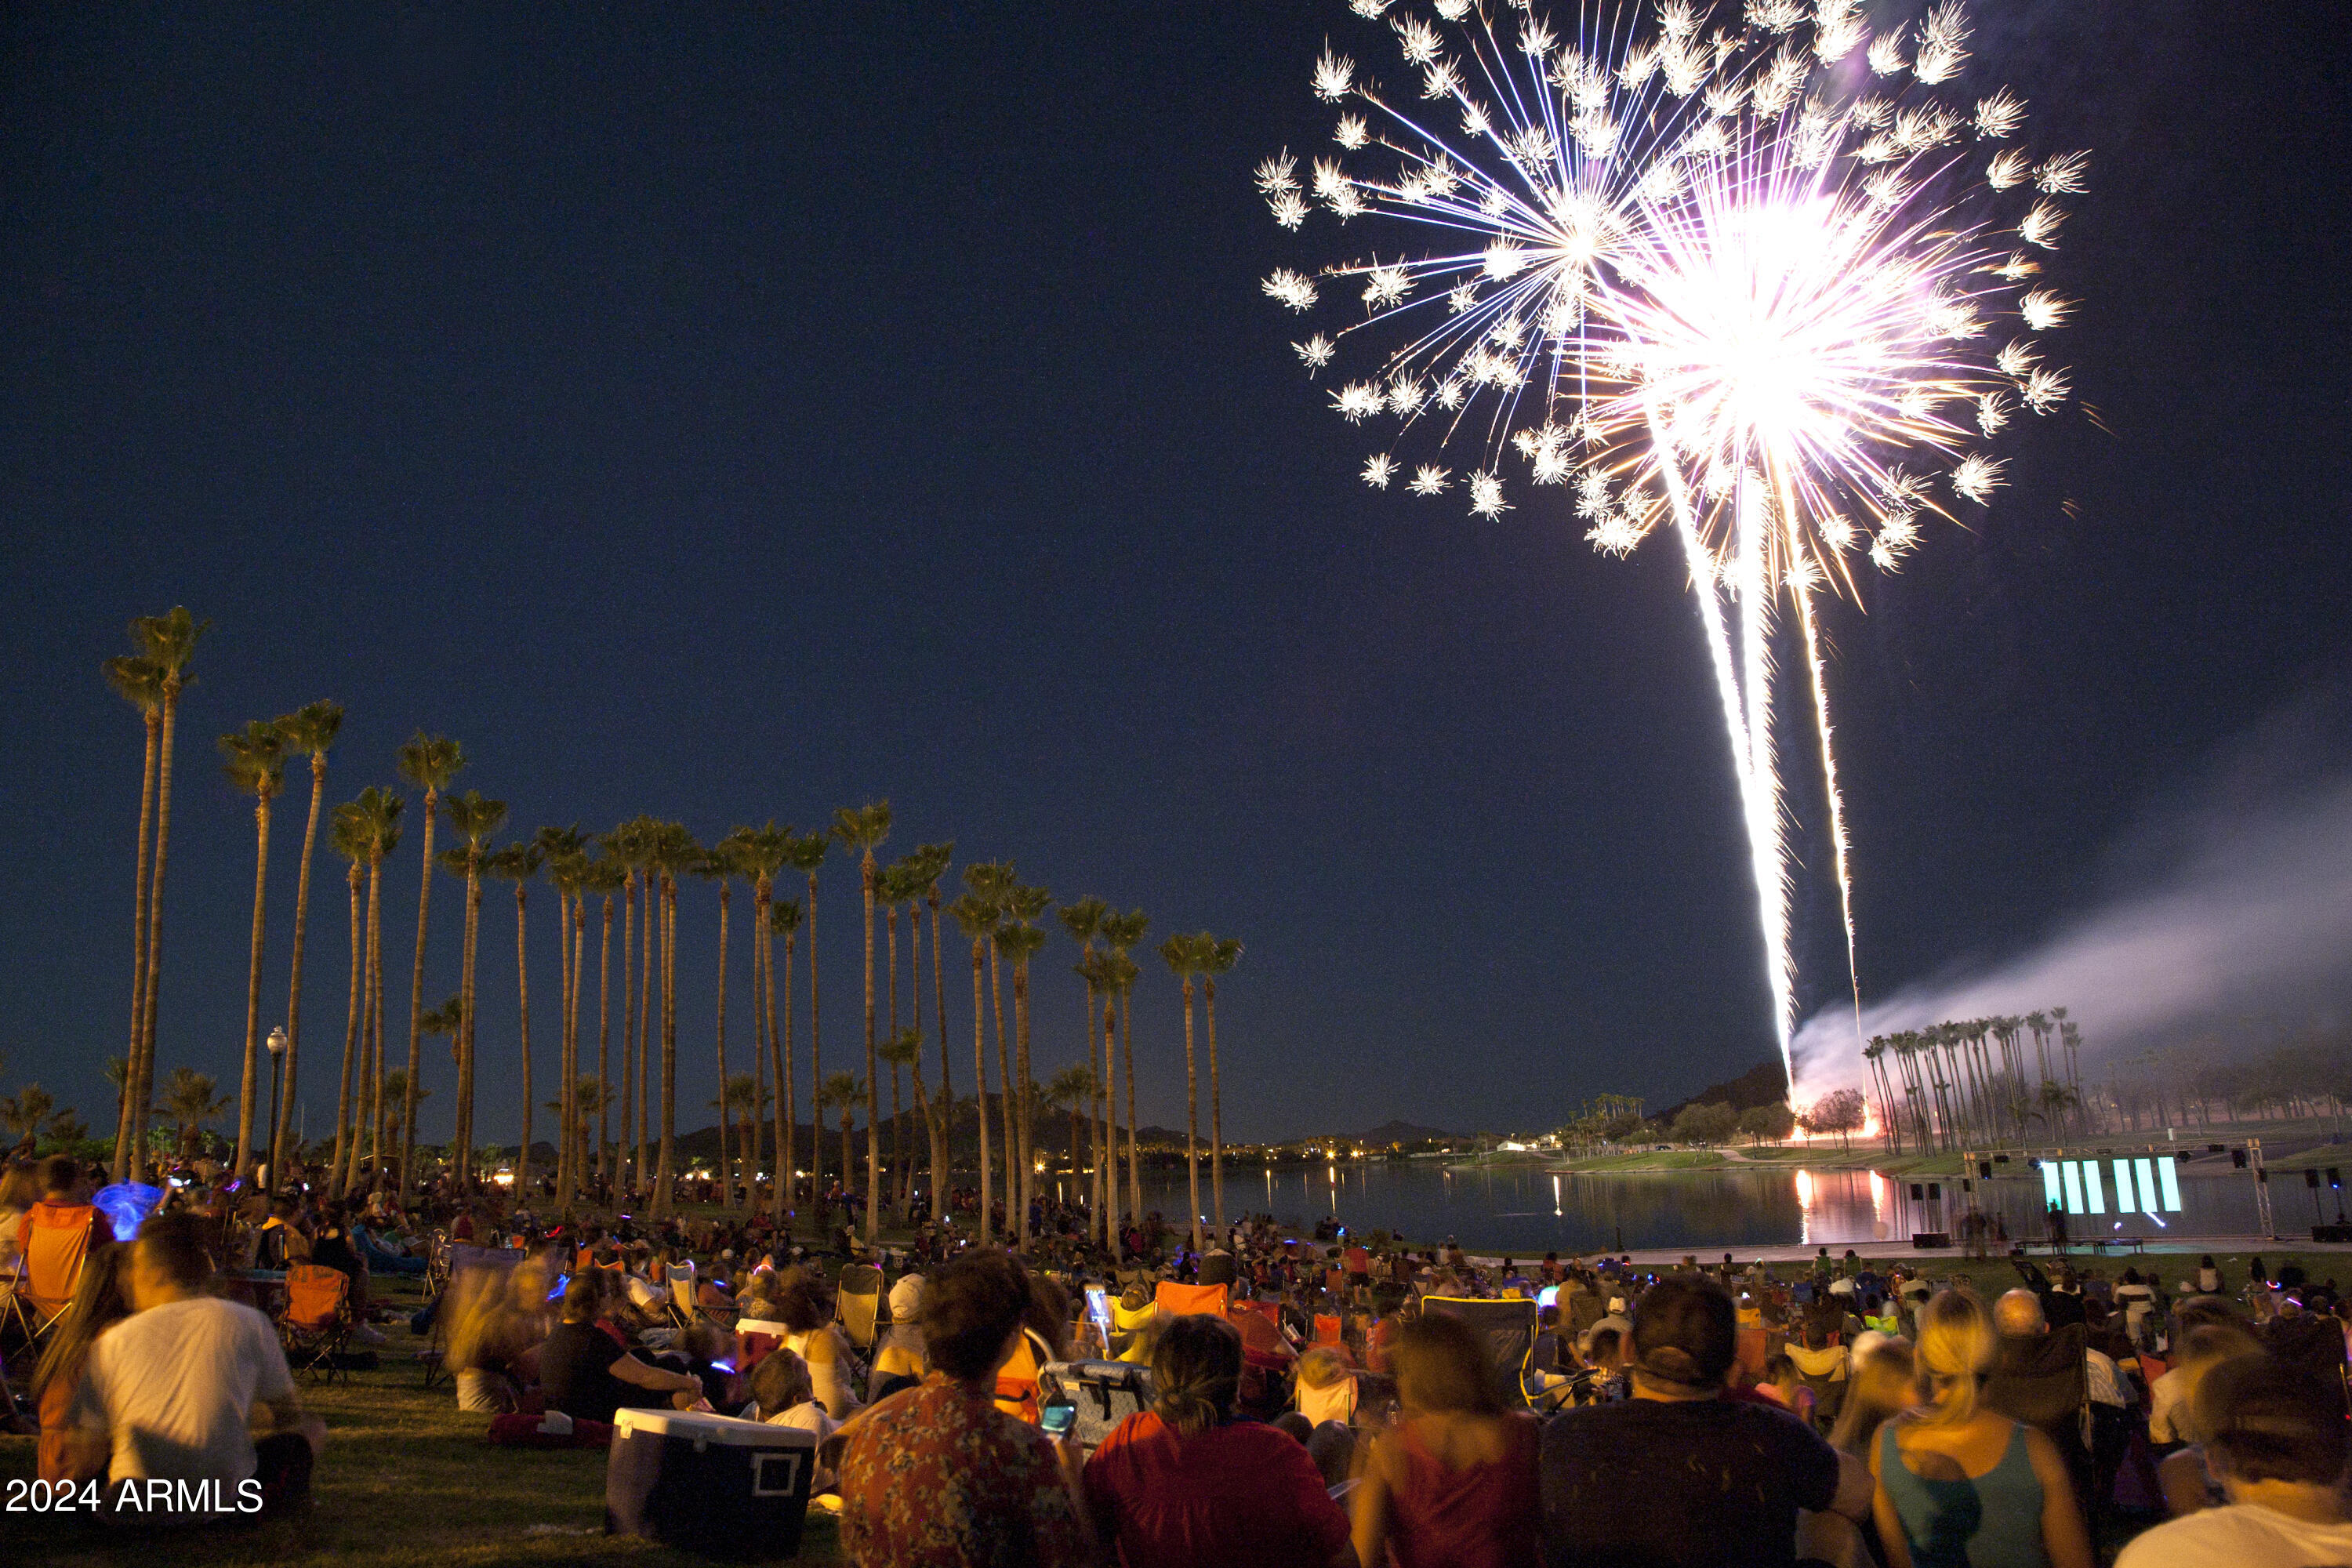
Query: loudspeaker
{"points": [[1984, 1170], [1935, 1191], [2310, 1180], [1928, 1240], [2237, 1159], [2331, 1232], [1918, 1194]]}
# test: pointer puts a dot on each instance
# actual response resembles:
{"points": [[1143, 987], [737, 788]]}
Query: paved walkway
{"points": [[2170, 1245]]}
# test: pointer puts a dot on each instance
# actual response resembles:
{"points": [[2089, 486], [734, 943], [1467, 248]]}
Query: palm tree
{"points": [[629, 845], [604, 878], [935, 859], [169, 641], [843, 1093], [1120, 933], [444, 1021], [473, 819], [190, 1098], [567, 862], [718, 864], [375, 816], [904, 1049], [991, 882], [860, 831], [254, 760], [784, 919], [674, 853], [804, 855], [738, 1092], [762, 852], [310, 728], [896, 887], [1083, 920], [1182, 956], [977, 918], [519, 864], [349, 837], [1018, 944], [1066, 1090], [139, 682], [427, 762], [1218, 956], [26, 1111]]}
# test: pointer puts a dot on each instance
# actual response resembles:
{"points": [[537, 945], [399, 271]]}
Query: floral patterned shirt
{"points": [[937, 1479]]}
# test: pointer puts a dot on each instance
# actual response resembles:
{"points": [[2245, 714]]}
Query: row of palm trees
{"points": [[638, 866], [1953, 1091]]}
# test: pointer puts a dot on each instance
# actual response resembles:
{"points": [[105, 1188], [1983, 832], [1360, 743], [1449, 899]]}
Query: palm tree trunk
{"points": [[417, 1007], [251, 1082], [1098, 1224], [944, 1130], [816, 1078], [1110, 1109], [351, 1039], [129, 1161], [848, 1106], [461, 1161], [631, 1171], [605, 1049], [562, 1047], [650, 940], [374, 1025], [1028, 1091], [758, 1040], [1216, 1108], [987, 1227], [726, 1172], [522, 997], [663, 1170], [1134, 1147], [1017, 1218], [279, 1135], [897, 1126], [873, 1075], [1191, 1118], [145, 1085], [574, 1144], [788, 1133]]}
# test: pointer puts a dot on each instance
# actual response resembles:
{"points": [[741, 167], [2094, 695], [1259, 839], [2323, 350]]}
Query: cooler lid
{"points": [[701, 1429]]}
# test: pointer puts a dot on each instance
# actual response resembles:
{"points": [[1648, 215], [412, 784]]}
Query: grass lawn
{"points": [[406, 1481]]}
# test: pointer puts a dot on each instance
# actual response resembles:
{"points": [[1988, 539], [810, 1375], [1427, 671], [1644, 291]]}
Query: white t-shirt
{"points": [[177, 1386], [2166, 1404], [2241, 1535]]}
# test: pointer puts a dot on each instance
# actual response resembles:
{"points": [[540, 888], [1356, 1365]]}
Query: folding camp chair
{"points": [[1130, 1331], [53, 1239], [317, 1318], [1016, 1380], [1509, 1328], [682, 1308], [859, 1306], [1176, 1300]]}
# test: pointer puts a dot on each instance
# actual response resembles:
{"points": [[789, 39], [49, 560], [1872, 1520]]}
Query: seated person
{"points": [[1326, 1389], [172, 1393], [782, 1397], [587, 1370], [803, 1305], [898, 1359], [2274, 1438]]}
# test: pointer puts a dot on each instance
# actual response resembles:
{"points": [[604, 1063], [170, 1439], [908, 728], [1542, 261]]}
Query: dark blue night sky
{"points": [[734, 413]]}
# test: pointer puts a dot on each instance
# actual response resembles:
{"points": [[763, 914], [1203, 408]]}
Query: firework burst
{"points": [[1765, 284]]}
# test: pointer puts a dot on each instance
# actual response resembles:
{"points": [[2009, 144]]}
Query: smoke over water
{"points": [[2240, 928]]}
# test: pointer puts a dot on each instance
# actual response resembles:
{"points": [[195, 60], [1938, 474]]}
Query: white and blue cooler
{"points": [[710, 1484]]}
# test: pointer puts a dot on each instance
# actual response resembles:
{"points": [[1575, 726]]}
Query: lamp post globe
{"points": [[277, 1061]]}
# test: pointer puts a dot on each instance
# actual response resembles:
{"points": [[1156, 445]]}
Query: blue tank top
{"points": [[1992, 1521]]}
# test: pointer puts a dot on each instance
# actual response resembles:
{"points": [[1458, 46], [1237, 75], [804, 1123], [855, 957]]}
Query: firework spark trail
{"points": [[1716, 278]]}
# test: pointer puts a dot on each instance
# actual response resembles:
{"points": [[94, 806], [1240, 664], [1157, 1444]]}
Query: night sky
{"points": [[737, 413]]}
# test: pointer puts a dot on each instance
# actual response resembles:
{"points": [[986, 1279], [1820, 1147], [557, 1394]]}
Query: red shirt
{"points": [[1481, 1516], [1235, 1495]]}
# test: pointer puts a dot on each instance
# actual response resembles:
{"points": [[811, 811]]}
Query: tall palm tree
{"points": [[427, 762], [1121, 933], [1218, 956], [312, 729], [604, 879], [717, 865], [860, 831], [784, 919], [738, 1092], [139, 682], [26, 1112], [1065, 1092], [519, 864], [376, 817], [348, 835], [804, 854], [934, 859], [902, 883], [1083, 920], [1018, 944], [762, 851], [567, 863], [170, 641], [628, 845], [255, 759], [843, 1093], [902, 1050], [474, 819], [977, 918], [1182, 956], [191, 1099], [674, 853]]}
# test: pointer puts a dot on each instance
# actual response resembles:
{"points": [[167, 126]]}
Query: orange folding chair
{"points": [[317, 1318], [52, 1239], [1176, 1300]]}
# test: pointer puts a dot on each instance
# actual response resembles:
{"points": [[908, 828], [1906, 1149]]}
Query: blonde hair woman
{"points": [[1957, 1485]]}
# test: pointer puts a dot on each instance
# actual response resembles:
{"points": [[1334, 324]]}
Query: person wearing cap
{"points": [[1679, 1474]]}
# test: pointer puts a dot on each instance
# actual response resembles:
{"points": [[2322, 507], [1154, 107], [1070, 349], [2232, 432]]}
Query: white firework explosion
{"points": [[1750, 285]]}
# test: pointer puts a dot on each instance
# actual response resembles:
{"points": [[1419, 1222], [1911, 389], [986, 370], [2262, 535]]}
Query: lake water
{"points": [[1530, 1211]]}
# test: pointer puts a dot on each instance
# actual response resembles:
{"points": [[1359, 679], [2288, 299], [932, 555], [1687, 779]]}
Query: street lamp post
{"points": [[277, 1061]]}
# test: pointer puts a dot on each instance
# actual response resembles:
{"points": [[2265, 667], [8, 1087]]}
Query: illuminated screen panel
{"points": [[2094, 1199], [2050, 1194], [2124, 1204], [2072, 1172], [2168, 1176]]}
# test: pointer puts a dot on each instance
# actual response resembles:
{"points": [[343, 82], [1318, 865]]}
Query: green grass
{"points": [[406, 1481], [1651, 1160]]}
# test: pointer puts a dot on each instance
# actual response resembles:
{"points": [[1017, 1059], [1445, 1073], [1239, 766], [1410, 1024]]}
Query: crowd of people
{"points": [[1311, 1400]]}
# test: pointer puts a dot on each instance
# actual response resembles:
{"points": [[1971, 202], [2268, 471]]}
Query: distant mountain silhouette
{"points": [[1764, 1084]]}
